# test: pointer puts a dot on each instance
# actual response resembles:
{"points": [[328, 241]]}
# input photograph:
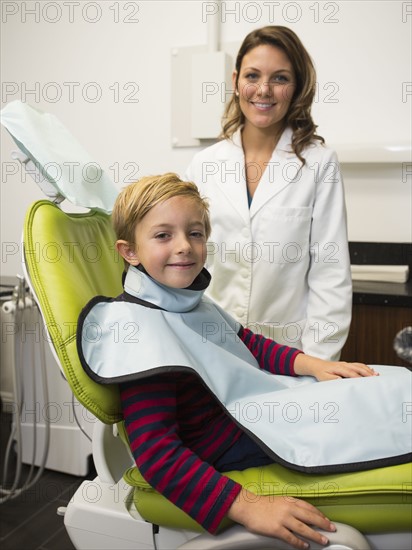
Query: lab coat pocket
{"points": [[283, 234]]}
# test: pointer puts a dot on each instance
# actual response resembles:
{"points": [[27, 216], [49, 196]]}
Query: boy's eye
{"points": [[197, 234], [161, 236]]}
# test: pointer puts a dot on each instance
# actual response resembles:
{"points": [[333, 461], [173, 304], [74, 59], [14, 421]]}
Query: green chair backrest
{"points": [[70, 258]]}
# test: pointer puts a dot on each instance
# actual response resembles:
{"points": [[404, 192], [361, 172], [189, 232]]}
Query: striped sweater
{"points": [[177, 430]]}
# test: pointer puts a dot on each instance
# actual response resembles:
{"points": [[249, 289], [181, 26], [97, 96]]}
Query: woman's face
{"points": [[266, 85]]}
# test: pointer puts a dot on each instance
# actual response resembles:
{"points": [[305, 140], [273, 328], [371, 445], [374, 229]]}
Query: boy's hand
{"points": [[330, 370], [285, 518]]}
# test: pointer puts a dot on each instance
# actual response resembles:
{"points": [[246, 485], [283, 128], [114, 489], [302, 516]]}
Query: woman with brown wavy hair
{"points": [[298, 116], [278, 252]]}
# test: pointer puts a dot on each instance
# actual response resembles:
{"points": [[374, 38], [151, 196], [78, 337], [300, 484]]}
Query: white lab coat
{"points": [[280, 267]]}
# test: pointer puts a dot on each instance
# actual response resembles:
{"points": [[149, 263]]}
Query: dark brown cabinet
{"points": [[372, 333], [380, 310]]}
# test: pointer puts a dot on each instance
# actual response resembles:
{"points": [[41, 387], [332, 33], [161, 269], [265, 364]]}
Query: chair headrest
{"points": [[59, 157]]}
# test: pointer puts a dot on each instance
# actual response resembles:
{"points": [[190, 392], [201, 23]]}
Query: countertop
{"points": [[383, 294], [378, 293]]}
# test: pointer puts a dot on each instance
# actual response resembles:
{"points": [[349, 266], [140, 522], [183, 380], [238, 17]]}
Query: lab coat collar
{"points": [[283, 169], [234, 145], [285, 142]]}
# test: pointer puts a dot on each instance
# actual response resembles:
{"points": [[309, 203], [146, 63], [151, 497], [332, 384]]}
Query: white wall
{"points": [[75, 49]]}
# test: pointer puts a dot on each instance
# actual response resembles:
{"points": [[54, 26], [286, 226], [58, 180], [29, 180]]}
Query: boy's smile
{"points": [[170, 242]]}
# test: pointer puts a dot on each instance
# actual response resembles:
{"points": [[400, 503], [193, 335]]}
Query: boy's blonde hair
{"points": [[135, 201]]}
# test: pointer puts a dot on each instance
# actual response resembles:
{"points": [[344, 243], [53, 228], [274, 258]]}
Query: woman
{"points": [[278, 251]]}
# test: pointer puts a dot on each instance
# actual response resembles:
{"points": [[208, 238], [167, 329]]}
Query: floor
{"points": [[30, 521]]}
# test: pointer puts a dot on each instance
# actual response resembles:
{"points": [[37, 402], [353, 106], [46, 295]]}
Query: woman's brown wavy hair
{"points": [[299, 116]]}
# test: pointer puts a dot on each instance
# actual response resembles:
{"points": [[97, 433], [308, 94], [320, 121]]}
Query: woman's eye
{"points": [[280, 79], [276, 79]]}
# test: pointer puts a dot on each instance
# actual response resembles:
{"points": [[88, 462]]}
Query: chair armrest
{"points": [[237, 538]]}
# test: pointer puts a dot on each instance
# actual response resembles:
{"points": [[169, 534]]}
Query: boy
{"points": [[180, 435]]}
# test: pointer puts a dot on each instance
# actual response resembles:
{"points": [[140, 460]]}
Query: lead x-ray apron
{"points": [[338, 425]]}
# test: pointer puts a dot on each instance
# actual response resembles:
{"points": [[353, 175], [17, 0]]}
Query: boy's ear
{"points": [[127, 252]]}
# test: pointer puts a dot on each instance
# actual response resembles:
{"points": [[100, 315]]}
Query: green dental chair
{"points": [[70, 258]]}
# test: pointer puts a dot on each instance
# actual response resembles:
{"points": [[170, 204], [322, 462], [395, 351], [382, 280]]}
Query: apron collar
{"points": [[139, 284]]}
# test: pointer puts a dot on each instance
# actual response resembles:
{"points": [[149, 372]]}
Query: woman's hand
{"points": [[285, 518], [330, 370]]}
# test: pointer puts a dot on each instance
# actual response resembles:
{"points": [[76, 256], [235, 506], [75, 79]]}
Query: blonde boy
{"points": [[180, 436]]}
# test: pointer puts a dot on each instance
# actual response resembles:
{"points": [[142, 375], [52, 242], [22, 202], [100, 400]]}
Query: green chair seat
{"points": [[374, 501]]}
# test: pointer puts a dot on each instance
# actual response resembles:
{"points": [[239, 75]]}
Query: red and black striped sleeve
{"points": [[270, 355], [150, 413]]}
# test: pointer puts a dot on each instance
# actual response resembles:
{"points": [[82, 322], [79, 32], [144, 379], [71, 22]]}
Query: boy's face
{"points": [[170, 242]]}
